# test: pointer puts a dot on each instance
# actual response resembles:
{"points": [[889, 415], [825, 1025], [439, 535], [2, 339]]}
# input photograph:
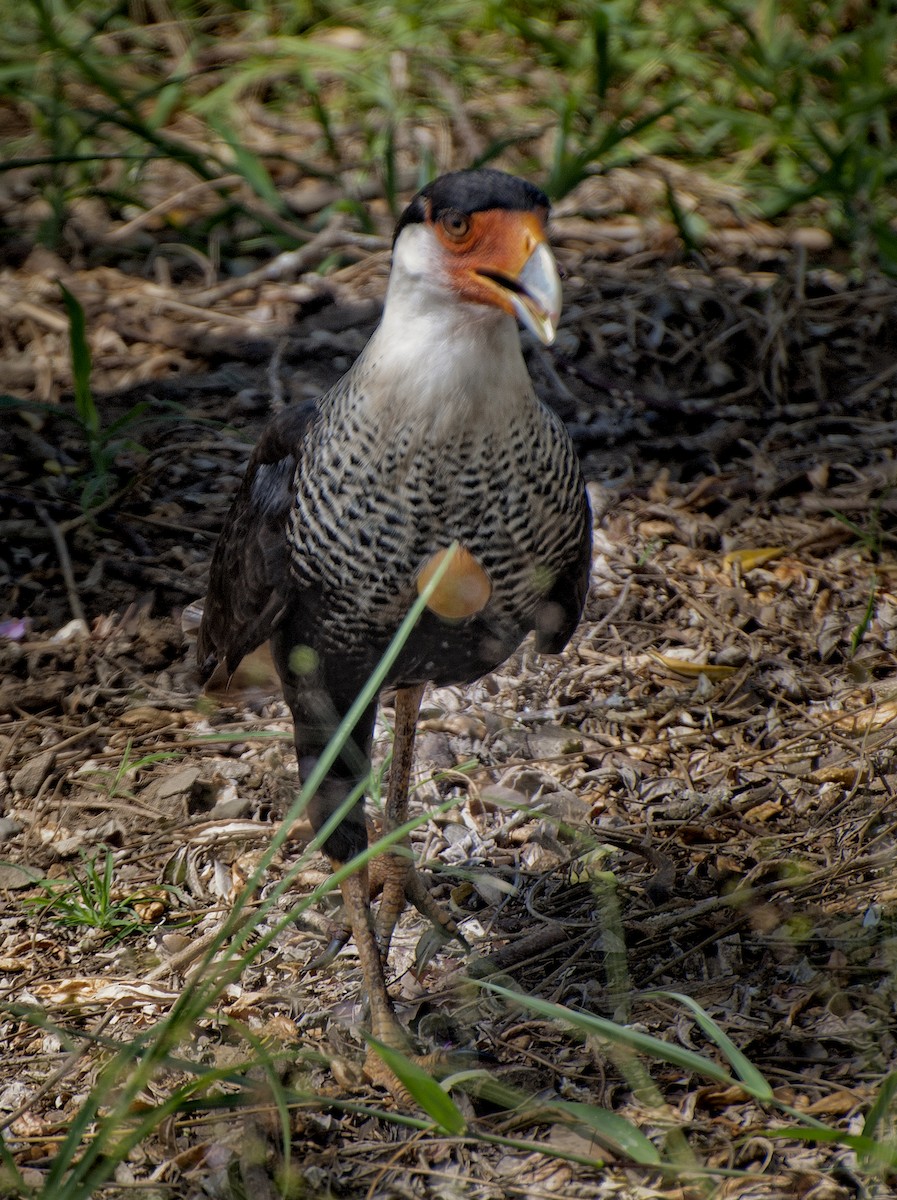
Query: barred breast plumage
{"points": [[371, 512]]}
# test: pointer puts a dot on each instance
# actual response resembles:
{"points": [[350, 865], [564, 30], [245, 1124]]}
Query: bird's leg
{"points": [[385, 1025], [391, 875], [400, 879], [315, 716], [396, 862], [348, 840], [384, 1022]]}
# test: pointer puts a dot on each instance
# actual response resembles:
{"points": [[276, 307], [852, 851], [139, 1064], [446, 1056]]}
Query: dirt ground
{"points": [[698, 796]]}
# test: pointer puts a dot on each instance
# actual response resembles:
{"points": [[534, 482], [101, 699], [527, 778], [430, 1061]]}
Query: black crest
{"points": [[469, 192]]}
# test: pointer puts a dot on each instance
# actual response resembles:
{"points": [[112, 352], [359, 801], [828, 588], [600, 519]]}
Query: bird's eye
{"points": [[455, 224]]}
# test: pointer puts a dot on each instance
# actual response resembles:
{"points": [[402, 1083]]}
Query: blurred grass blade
{"points": [[873, 1152], [128, 420], [882, 1105], [322, 116], [601, 35], [619, 1134], [11, 1180], [81, 362], [755, 1082], [620, 1035], [390, 172], [423, 1088], [249, 165], [681, 219]]}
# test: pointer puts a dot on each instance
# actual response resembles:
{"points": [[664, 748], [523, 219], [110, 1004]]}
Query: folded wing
{"points": [[249, 578]]}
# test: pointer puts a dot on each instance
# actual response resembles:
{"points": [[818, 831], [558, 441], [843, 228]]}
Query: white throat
{"points": [[436, 361]]}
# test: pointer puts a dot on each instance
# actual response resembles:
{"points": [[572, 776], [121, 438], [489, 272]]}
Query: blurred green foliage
{"points": [[796, 100]]}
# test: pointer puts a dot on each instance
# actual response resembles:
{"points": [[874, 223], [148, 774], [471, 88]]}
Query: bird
{"points": [[432, 446]]}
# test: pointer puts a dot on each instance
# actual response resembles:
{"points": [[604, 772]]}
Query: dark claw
{"points": [[336, 944]]}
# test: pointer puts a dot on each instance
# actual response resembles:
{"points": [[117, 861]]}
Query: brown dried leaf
{"points": [[871, 718], [838, 1104], [848, 776], [149, 718], [78, 992], [764, 812]]}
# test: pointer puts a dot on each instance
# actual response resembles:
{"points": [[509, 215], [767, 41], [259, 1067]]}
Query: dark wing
{"points": [[249, 579], [562, 609]]}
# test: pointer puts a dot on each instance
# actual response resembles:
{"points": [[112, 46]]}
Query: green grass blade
{"points": [[128, 420], [11, 1181], [77, 1136], [869, 1149], [881, 1105], [249, 165], [862, 626], [424, 1088], [755, 1082], [620, 1035], [81, 363], [621, 1135], [601, 36]]}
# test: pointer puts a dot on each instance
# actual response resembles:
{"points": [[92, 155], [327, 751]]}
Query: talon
{"points": [[379, 1075], [334, 946]]}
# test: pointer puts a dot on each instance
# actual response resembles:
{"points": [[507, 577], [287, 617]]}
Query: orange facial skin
{"points": [[485, 252]]}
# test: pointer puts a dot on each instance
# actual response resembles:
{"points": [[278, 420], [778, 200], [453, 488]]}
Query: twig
{"points": [[170, 202], [65, 562], [615, 608], [293, 262], [182, 958], [91, 514]]}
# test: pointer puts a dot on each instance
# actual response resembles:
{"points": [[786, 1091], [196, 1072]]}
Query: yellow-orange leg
{"points": [[400, 878], [396, 863], [384, 1022], [385, 1025], [392, 875], [400, 881]]}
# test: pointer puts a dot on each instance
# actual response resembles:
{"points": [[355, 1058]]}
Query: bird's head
{"points": [[479, 237]]}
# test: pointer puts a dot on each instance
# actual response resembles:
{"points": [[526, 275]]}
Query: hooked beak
{"points": [[532, 294], [505, 262], [537, 295]]}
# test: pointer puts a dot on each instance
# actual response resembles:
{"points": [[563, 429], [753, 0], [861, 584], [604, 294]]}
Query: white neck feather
{"points": [[436, 361]]}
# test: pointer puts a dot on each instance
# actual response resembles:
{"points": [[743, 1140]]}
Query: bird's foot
{"points": [[391, 1037], [401, 883], [379, 1075], [386, 1029], [340, 938], [398, 882]]}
